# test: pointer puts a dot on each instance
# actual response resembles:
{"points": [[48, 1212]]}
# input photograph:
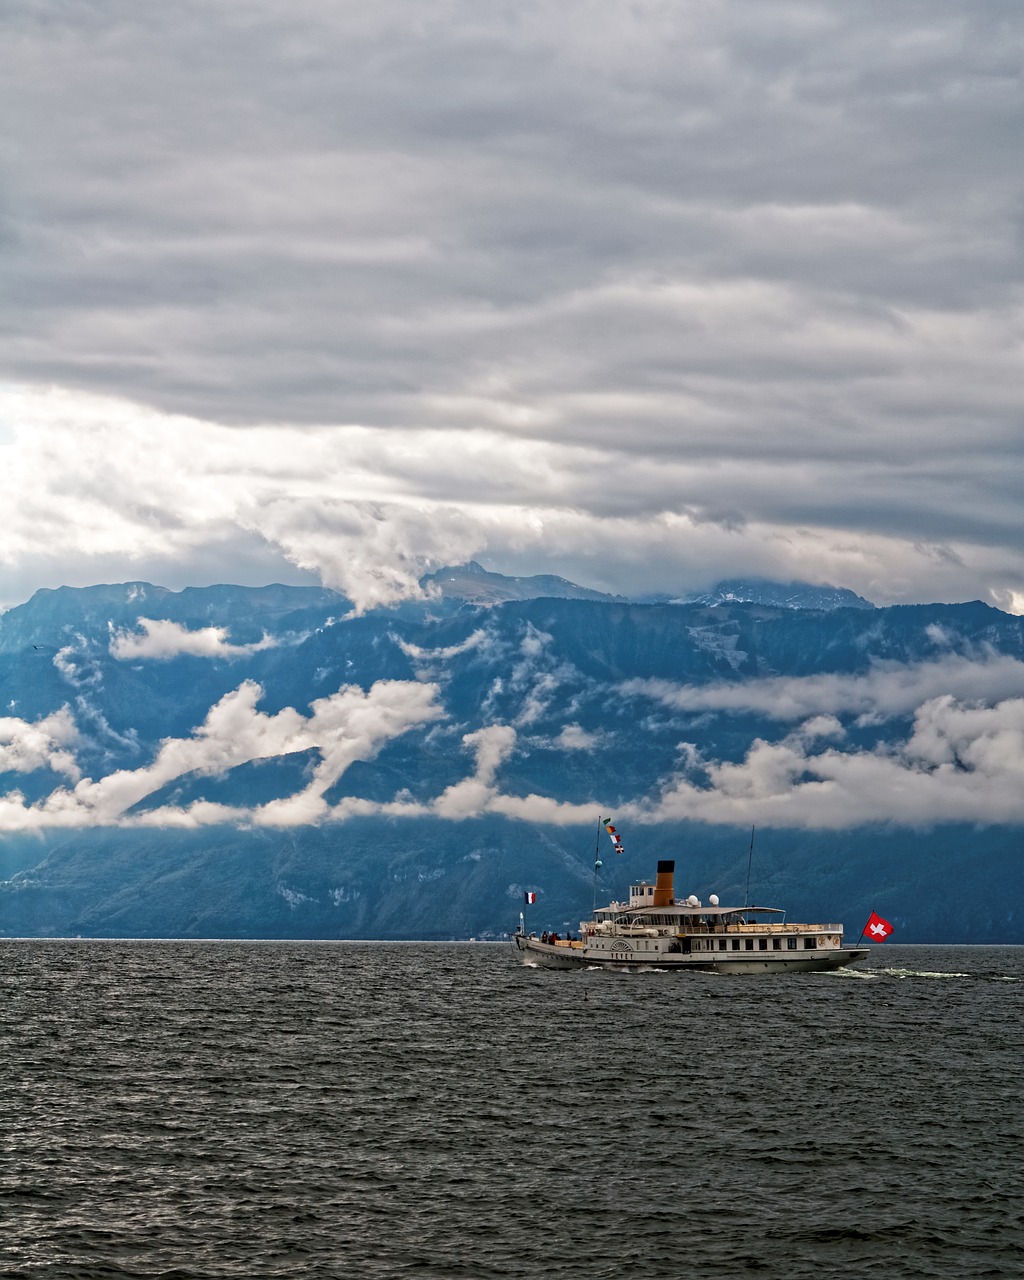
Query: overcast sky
{"points": [[644, 294]]}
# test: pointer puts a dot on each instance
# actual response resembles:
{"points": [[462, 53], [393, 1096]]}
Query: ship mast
{"points": [[750, 859], [597, 860]]}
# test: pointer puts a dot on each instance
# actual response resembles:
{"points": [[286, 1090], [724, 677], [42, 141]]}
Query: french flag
{"points": [[529, 896]]}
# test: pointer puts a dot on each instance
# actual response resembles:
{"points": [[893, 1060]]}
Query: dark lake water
{"points": [[183, 1109]]}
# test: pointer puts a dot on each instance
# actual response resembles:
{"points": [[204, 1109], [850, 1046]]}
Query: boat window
{"points": [[808, 944], [722, 944], [791, 944], [776, 944], [735, 944], [749, 944], [762, 944]]}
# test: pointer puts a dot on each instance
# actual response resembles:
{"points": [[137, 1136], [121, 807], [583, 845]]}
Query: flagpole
{"points": [[864, 930], [750, 859], [597, 861]]}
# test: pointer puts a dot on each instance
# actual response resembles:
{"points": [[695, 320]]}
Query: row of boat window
{"points": [[708, 944], [737, 944], [684, 922]]}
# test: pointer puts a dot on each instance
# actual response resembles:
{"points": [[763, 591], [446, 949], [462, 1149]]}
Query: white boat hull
{"points": [[552, 956]]}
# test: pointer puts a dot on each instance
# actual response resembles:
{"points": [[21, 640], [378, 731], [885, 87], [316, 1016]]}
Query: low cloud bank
{"points": [[960, 764], [889, 689], [162, 640], [960, 760], [346, 726]]}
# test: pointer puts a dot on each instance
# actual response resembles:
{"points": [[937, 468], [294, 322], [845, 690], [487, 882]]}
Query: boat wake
{"points": [[873, 975], [921, 973], [633, 968]]}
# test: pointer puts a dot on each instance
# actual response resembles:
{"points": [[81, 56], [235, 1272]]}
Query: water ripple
{"points": [[187, 1110]]}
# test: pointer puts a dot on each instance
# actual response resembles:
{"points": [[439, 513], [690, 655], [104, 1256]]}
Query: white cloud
{"points": [[77, 666], [349, 725], [888, 689], [960, 764], [536, 676], [161, 640], [47, 743], [233, 733], [428, 658], [492, 746], [543, 809], [575, 738], [479, 794]]}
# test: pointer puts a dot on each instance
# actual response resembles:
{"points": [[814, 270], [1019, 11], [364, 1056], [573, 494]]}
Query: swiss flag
{"points": [[877, 929]]}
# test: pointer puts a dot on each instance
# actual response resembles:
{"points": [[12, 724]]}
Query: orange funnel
{"points": [[664, 891]]}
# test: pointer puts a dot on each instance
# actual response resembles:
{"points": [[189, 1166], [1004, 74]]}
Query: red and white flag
{"points": [[529, 896], [877, 929]]}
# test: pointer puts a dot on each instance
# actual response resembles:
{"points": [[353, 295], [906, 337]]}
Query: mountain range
{"points": [[262, 762]]}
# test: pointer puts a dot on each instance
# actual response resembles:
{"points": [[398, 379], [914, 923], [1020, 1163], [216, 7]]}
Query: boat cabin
{"points": [[664, 923], [654, 927]]}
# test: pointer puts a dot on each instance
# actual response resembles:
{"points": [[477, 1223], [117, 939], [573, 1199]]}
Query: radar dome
{"points": [[713, 899], [693, 900]]}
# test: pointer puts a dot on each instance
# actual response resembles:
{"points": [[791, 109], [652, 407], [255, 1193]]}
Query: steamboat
{"points": [[655, 929]]}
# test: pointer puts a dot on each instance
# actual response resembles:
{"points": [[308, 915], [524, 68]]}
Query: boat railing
{"points": [[765, 927]]}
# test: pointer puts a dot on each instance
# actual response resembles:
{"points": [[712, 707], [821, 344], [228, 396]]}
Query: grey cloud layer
{"points": [[759, 263]]}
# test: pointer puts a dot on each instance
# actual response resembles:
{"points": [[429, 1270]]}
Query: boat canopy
{"points": [[685, 909]]}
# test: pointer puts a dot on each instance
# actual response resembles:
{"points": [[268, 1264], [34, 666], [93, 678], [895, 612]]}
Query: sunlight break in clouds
{"points": [[162, 640]]}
